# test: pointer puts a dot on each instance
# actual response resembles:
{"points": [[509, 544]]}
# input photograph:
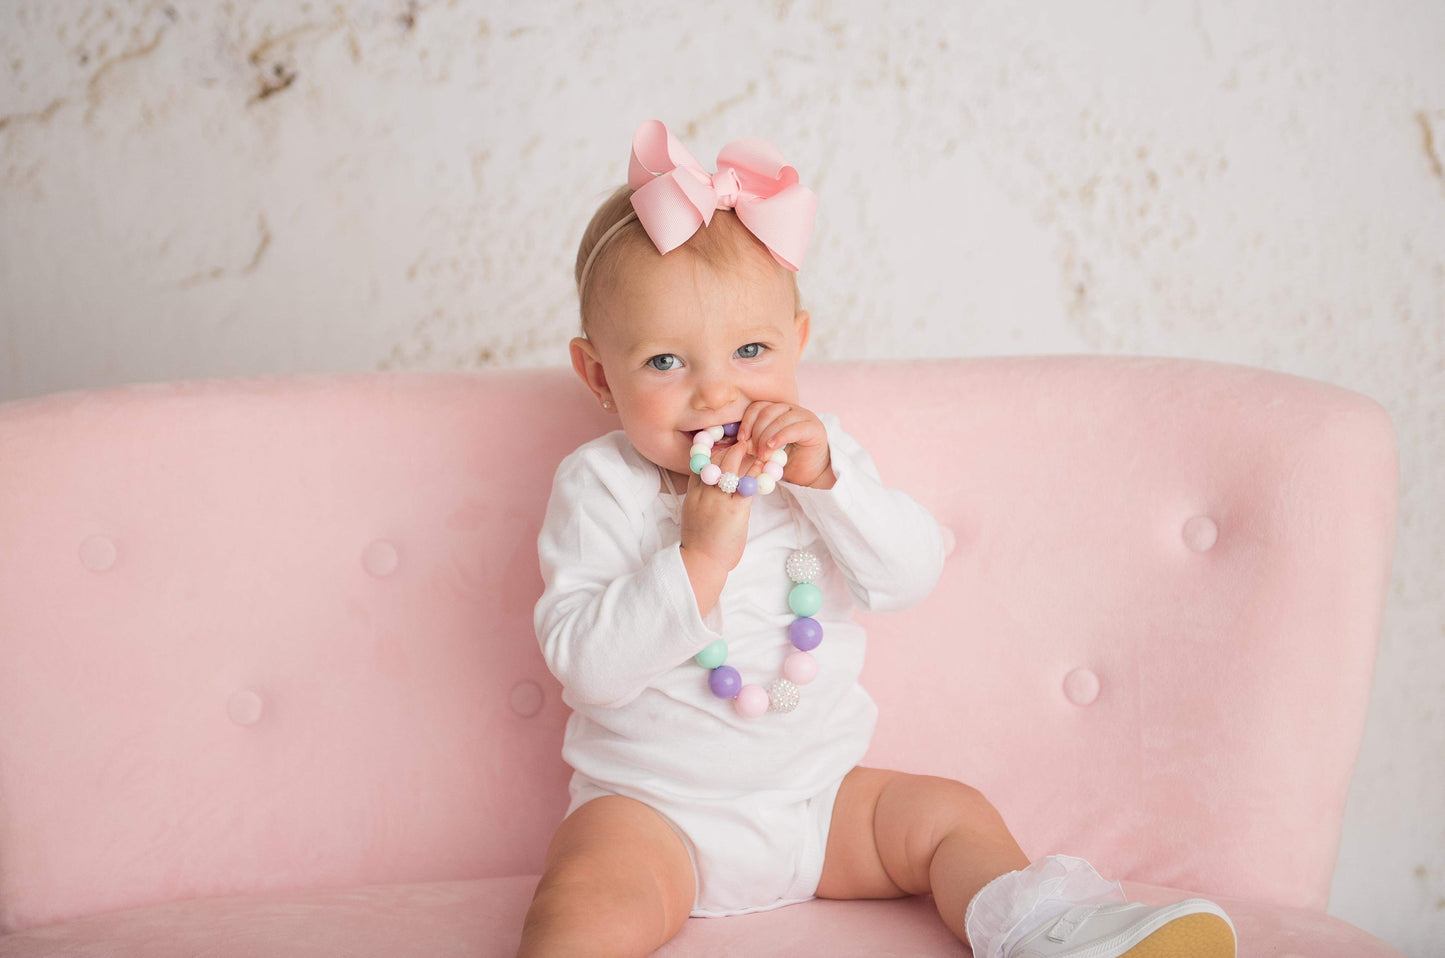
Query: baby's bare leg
{"points": [[618, 882], [896, 834]]}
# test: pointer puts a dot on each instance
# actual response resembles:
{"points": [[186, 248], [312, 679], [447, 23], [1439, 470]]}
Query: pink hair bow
{"points": [[674, 196]]}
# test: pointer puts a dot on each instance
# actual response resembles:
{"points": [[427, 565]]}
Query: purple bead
{"points": [[725, 682], [806, 634], [747, 486], [731, 429]]}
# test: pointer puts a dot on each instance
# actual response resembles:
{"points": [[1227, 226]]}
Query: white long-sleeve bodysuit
{"points": [[619, 625]]}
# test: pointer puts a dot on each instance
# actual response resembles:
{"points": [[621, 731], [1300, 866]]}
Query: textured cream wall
{"points": [[195, 189]]}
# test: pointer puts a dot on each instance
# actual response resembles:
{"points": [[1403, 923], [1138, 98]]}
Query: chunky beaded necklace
{"points": [[804, 599]]}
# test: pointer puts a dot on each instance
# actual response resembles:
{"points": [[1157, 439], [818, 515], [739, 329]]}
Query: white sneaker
{"points": [[1194, 928]]}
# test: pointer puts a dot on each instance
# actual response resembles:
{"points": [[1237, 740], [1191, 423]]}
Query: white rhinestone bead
{"points": [[803, 566], [782, 696], [728, 483]]}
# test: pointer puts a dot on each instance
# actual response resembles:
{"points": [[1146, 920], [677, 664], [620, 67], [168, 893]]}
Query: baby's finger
{"points": [[732, 460], [695, 488], [784, 433], [768, 424], [747, 427]]}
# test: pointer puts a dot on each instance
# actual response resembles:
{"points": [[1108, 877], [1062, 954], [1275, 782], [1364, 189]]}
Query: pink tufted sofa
{"points": [[269, 686]]}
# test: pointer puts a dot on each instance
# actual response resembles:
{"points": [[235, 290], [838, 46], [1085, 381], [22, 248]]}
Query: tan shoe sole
{"points": [[1192, 936]]}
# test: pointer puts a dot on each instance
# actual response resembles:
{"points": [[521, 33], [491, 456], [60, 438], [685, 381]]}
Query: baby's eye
{"points": [[751, 351], [663, 363]]}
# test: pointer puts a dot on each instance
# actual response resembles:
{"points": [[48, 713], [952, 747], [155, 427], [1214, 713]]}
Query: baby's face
{"points": [[679, 347]]}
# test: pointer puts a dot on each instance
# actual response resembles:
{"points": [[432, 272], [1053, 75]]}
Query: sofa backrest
{"points": [[269, 633]]}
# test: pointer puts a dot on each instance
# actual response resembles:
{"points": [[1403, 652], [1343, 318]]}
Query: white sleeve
{"points": [[888, 547], [610, 620]]}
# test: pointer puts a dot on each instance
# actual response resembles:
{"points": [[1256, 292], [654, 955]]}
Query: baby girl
{"points": [[701, 566]]}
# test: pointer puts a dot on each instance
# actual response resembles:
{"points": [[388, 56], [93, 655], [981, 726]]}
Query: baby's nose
{"points": [[714, 392]]}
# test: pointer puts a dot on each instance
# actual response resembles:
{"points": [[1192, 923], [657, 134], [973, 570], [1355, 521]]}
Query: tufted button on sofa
{"points": [[269, 685]]}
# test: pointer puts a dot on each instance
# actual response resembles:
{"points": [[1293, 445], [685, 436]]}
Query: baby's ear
{"points": [[802, 324], [589, 367]]}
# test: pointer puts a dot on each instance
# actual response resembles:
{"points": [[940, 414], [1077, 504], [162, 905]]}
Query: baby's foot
{"points": [[1194, 928]]}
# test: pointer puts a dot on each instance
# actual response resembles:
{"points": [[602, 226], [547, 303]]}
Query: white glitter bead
{"points": [[728, 482], [803, 566], [782, 696], [766, 484]]}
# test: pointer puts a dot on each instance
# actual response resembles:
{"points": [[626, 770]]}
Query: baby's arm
{"points": [[888, 547], [610, 621]]}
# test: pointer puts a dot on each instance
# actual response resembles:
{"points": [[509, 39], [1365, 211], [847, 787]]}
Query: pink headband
{"points": [[673, 196]]}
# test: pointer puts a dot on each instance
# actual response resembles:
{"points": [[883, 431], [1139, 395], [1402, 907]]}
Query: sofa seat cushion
{"points": [[484, 918]]}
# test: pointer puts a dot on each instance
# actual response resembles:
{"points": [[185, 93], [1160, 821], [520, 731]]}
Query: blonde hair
{"points": [[722, 245]]}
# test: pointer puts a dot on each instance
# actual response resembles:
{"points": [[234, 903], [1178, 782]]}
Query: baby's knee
{"points": [[586, 907], [581, 913], [591, 887], [942, 805]]}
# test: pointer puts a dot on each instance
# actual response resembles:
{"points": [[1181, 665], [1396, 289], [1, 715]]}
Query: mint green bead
{"points": [[805, 599], [712, 656], [698, 461]]}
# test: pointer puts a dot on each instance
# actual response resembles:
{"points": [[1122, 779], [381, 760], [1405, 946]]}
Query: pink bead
{"points": [[711, 473], [752, 701], [703, 438], [800, 668], [773, 469]]}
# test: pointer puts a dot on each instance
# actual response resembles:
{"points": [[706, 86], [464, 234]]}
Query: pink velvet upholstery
{"points": [[268, 642], [482, 918]]}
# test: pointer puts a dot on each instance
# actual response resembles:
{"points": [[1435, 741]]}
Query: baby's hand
{"points": [[715, 525], [770, 426]]}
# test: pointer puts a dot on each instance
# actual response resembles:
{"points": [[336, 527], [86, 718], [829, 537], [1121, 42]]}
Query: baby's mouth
{"points": [[722, 443]]}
